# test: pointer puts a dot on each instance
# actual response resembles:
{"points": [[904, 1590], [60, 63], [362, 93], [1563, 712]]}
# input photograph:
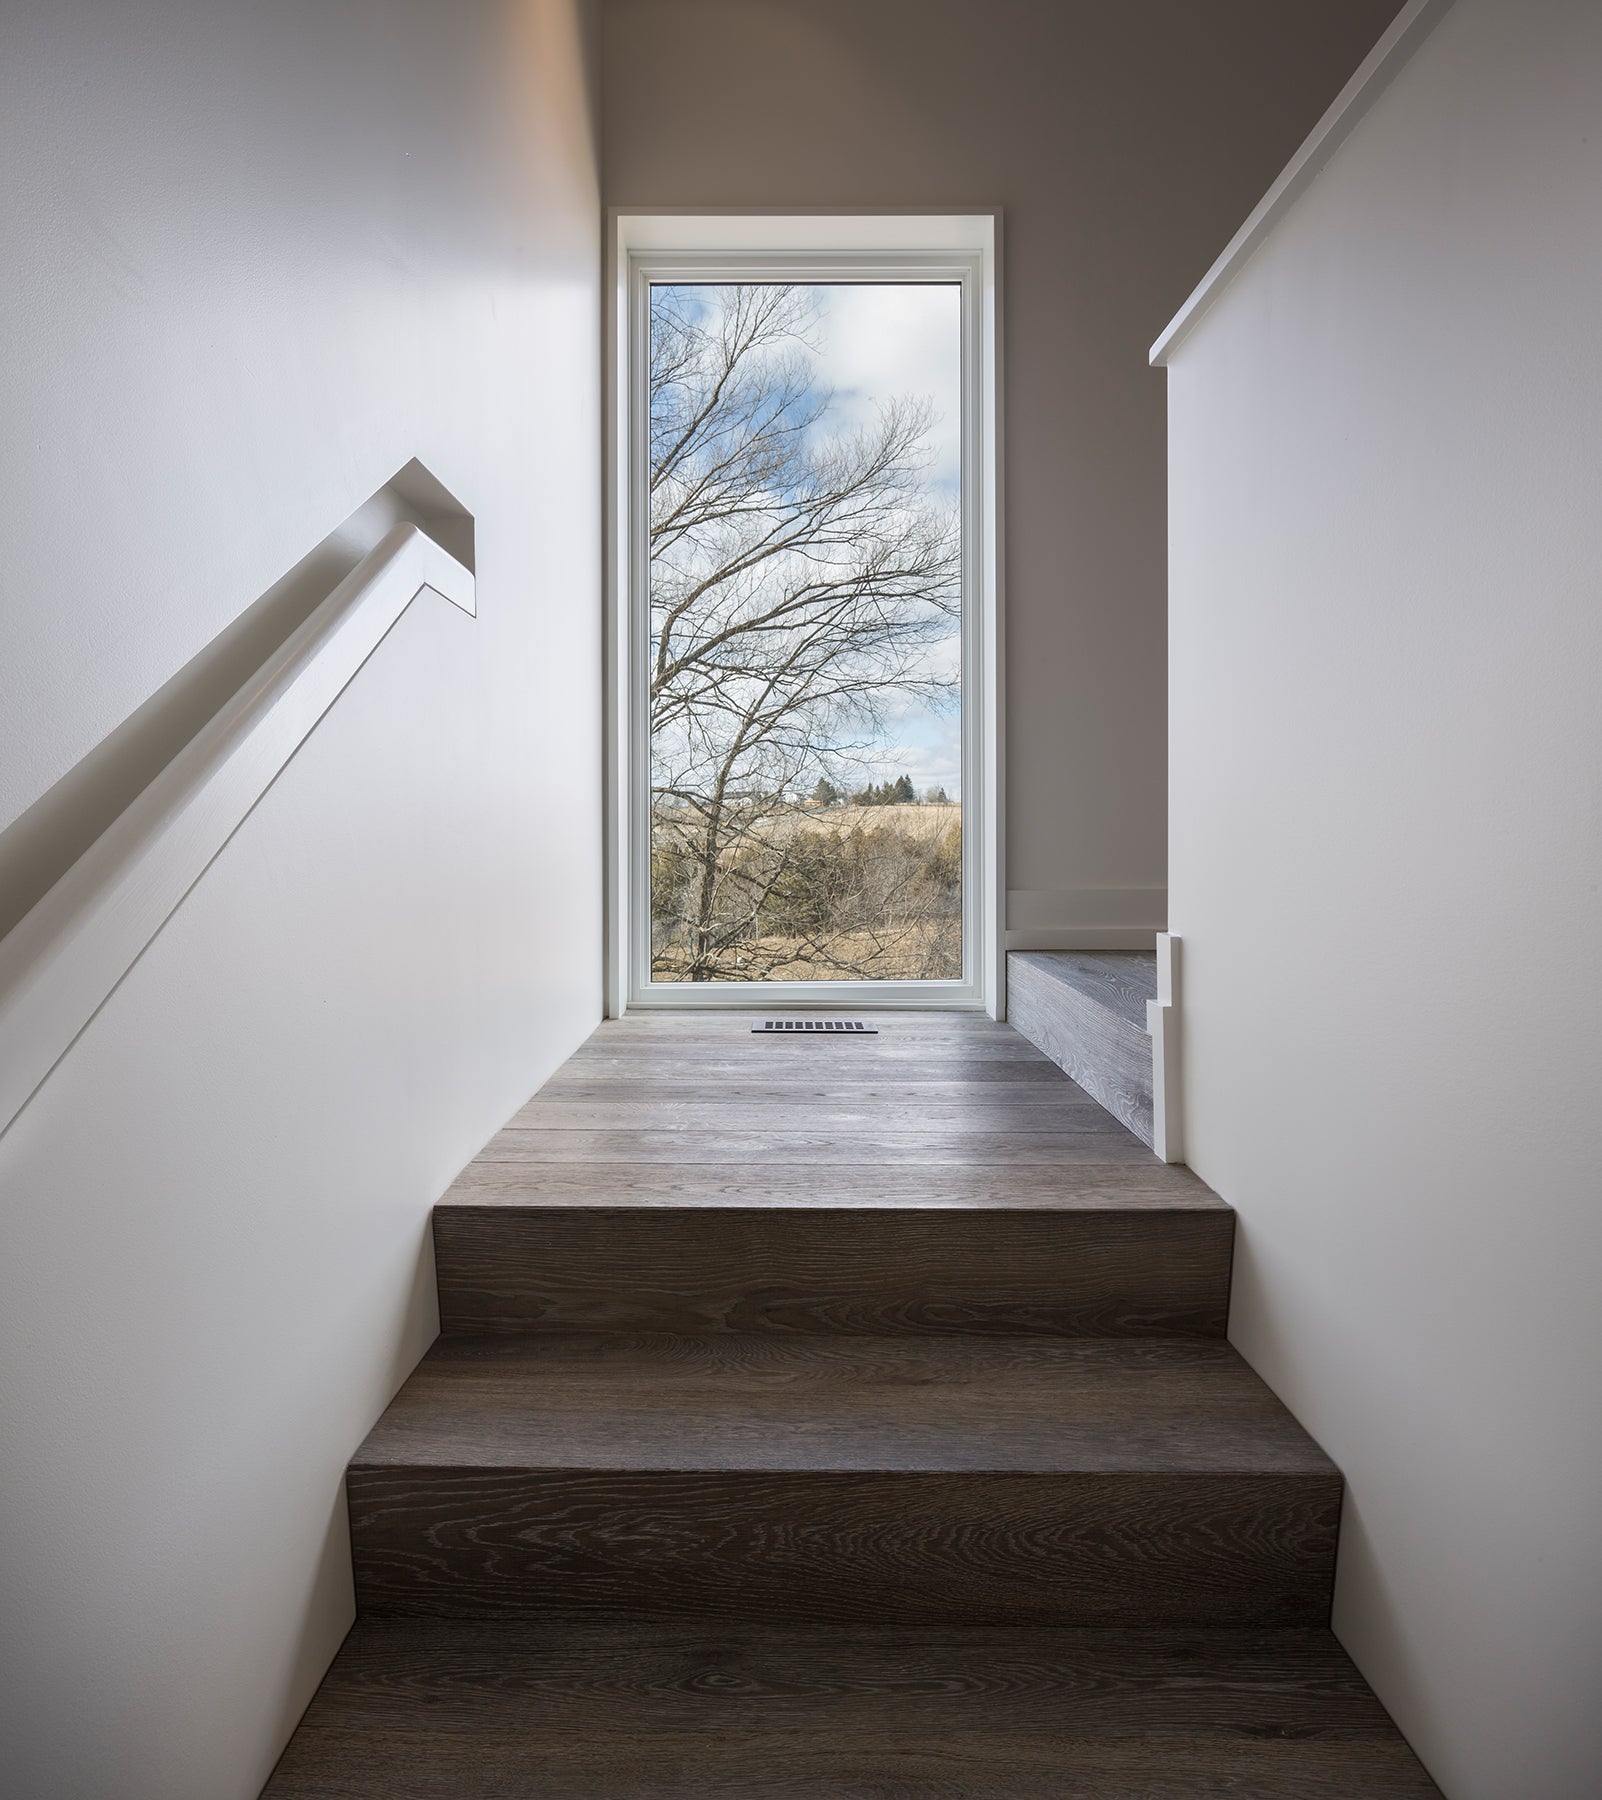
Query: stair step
{"points": [[1155, 1266], [1086, 1009], [632, 1711], [912, 1480]]}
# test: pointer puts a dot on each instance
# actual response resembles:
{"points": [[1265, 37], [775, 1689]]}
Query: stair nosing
{"points": [[779, 1395]]}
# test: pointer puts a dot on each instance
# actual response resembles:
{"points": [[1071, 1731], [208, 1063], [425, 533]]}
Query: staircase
{"points": [[836, 1417]]}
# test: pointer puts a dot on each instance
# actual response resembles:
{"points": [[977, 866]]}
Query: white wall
{"points": [[1386, 771], [258, 257], [1125, 143]]}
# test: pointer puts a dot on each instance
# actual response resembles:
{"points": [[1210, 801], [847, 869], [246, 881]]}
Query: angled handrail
{"points": [[63, 960]]}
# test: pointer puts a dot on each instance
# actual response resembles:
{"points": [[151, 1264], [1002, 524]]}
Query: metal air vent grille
{"points": [[845, 1025]]}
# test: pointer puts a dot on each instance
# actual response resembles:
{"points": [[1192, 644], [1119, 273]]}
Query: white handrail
{"points": [[60, 963]]}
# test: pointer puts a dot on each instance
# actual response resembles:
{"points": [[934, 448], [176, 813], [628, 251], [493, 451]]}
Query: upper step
{"points": [[1086, 1009], [680, 1173], [916, 1480]]}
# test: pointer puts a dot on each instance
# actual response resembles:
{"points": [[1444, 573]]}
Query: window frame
{"points": [[816, 249]]}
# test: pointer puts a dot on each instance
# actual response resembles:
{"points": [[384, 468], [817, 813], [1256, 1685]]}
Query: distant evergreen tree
{"points": [[888, 793], [826, 793], [936, 796]]}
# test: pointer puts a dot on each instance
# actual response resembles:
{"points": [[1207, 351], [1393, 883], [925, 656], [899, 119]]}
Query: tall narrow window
{"points": [[805, 781], [804, 626]]}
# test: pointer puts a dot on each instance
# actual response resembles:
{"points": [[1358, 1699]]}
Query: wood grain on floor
{"points": [[654, 1401], [627, 1711]]}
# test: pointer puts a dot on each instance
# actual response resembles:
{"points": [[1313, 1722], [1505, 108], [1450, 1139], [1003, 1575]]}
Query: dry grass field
{"points": [[909, 953], [924, 823], [842, 892]]}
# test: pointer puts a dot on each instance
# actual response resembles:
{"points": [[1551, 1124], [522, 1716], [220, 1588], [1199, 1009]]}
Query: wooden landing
{"points": [[938, 1109]]}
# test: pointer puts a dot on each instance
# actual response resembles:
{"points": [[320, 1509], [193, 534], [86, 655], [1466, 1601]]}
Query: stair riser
{"points": [[846, 1549], [698, 1270]]}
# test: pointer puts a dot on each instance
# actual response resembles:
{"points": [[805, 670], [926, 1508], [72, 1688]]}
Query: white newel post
{"points": [[1162, 1021]]}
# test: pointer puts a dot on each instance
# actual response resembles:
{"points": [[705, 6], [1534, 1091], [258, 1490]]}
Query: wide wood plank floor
{"points": [[936, 1110]]}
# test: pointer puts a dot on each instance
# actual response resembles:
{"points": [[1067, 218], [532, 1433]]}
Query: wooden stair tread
{"points": [[1085, 1186], [888, 1404], [1119, 981], [1086, 1011], [640, 1711]]}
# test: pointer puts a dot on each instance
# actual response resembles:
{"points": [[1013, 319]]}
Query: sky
{"points": [[879, 342]]}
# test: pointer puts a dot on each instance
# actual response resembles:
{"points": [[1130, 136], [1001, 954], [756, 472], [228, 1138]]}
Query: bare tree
{"points": [[802, 578]]}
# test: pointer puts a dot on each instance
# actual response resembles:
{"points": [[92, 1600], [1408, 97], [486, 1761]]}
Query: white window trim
{"points": [[817, 247]]}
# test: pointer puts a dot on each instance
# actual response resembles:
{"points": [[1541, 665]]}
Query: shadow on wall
{"points": [[329, 1601]]}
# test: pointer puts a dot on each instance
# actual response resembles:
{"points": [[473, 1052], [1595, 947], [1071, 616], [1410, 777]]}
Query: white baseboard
{"points": [[1084, 937], [1085, 918]]}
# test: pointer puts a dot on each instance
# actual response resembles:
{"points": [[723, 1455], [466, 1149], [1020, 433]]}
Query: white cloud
{"points": [[930, 753], [879, 342], [883, 341]]}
